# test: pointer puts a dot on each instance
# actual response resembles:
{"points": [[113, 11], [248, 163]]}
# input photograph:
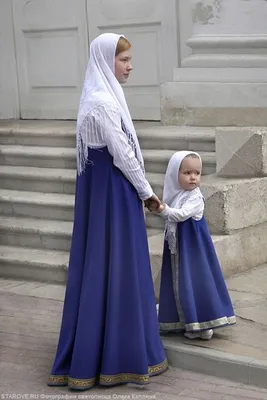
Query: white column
{"points": [[228, 33], [223, 77]]}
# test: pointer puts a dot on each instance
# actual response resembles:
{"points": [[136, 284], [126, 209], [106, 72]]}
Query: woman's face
{"points": [[123, 66]]}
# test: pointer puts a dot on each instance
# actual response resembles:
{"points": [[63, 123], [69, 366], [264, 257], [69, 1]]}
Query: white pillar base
{"points": [[215, 97], [231, 51]]}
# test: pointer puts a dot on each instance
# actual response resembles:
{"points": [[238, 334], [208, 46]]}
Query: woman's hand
{"points": [[153, 203]]}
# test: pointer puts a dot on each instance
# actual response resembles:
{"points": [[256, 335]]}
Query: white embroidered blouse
{"points": [[108, 132], [192, 208]]}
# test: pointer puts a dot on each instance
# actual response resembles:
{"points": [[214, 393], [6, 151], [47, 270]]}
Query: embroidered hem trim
{"points": [[198, 326], [107, 380]]}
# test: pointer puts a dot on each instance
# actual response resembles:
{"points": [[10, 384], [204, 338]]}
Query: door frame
{"points": [[9, 89]]}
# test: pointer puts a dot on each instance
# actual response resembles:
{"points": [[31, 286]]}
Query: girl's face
{"points": [[123, 66], [189, 173]]}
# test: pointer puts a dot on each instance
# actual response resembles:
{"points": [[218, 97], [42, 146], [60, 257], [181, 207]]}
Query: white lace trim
{"points": [[171, 229]]}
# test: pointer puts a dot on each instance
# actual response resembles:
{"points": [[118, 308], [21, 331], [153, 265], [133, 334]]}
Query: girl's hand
{"points": [[161, 208]]}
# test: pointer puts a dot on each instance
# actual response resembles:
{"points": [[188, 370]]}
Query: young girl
{"points": [[193, 294]]}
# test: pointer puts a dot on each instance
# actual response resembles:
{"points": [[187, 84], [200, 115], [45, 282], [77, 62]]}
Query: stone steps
{"points": [[46, 180], [38, 133], [151, 135], [35, 233], [157, 161], [53, 180], [28, 247], [33, 264], [50, 206], [56, 206], [37, 186], [65, 158], [38, 156], [40, 233], [177, 138]]}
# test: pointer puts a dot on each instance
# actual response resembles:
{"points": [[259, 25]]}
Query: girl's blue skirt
{"points": [[109, 333], [193, 293]]}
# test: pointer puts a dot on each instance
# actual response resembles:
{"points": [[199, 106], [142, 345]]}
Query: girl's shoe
{"points": [[192, 335], [204, 335], [207, 335]]}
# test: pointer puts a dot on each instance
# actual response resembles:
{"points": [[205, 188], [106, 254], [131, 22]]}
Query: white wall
{"points": [[44, 51]]}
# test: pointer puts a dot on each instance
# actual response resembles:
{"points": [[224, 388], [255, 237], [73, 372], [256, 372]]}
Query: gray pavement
{"points": [[30, 316]]}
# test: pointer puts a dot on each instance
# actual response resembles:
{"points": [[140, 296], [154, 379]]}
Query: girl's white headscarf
{"points": [[101, 88], [173, 195]]}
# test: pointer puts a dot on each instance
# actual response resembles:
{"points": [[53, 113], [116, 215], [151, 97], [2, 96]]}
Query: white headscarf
{"points": [[173, 195], [102, 88]]}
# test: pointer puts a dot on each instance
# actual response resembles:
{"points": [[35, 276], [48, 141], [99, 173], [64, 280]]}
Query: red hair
{"points": [[122, 45]]}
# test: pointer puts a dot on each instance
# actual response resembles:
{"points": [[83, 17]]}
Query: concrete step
{"points": [[37, 205], [49, 180], [156, 161], [65, 158], [227, 354], [33, 264], [177, 138], [46, 180], [38, 156], [153, 221], [35, 233], [33, 249], [151, 135], [38, 133], [156, 180], [52, 206], [16, 180], [40, 233], [45, 264], [36, 249]]}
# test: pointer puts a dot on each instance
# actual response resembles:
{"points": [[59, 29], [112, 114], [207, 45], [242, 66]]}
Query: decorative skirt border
{"points": [[107, 380], [198, 326]]}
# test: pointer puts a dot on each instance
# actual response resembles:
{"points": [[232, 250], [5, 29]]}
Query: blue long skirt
{"points": [[193, 293], [109, 333]]}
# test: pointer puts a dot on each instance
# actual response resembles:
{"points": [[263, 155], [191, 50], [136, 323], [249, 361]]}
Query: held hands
{"points": [[154, 204]]}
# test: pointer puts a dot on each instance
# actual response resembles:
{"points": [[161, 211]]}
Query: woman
{"points": [[109, 333]]}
